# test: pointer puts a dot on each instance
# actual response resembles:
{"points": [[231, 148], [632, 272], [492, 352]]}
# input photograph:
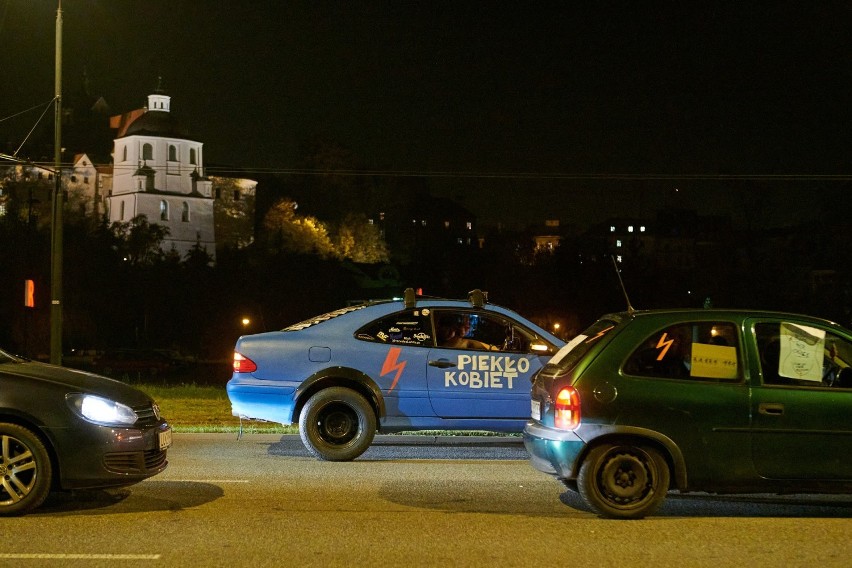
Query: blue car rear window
{"points": [[325, 317]]}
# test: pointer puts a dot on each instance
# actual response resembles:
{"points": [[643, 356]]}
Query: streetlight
{"points": [[58, 202]]}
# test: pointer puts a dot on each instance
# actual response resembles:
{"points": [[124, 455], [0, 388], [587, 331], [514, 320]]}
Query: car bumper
{"points": [[552, 451], [103, 456], [261, 399]]}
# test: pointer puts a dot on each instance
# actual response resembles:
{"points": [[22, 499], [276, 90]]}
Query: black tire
{"points": [[624, 481], [25, 470], [337, 424]]}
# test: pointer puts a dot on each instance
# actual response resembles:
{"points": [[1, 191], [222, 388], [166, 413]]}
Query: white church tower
{"points": [[158, 171]]}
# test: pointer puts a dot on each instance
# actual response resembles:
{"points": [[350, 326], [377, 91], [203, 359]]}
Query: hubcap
{"points": [[625, 478], [17, 471], [338, 424]]}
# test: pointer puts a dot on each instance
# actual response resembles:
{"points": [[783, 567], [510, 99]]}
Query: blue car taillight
{"points": [[567, 409], [243, 364]]}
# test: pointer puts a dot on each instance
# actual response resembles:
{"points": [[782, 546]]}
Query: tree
{"points": [[288, 232], [358, 240], [140, 242]]}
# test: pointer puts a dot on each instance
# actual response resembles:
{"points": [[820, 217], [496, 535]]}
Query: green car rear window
{"points": [[575, 349]]}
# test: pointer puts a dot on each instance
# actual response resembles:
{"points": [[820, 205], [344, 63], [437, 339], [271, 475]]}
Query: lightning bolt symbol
{"points": [[390, 365], [664, 345], [600, 334]]}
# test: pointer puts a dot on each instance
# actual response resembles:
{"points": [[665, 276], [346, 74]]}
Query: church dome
{"points": [[158, 123]]}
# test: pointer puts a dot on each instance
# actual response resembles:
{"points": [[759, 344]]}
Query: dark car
{"points": [[391, 366], [699, 400], [62, 429]]}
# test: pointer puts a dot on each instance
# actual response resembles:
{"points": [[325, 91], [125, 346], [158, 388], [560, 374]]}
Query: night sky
{"points": [[520, 110]]}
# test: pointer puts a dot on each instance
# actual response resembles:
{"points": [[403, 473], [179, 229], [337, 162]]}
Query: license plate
{"points": [[535, 409], [165, 439]]}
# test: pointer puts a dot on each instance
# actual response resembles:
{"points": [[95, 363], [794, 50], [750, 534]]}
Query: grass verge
{"points": [[193, 408]]}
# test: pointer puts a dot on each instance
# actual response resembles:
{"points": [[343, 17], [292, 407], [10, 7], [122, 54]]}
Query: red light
{"points": [[567, 409], [243, 364], [29, 293]]}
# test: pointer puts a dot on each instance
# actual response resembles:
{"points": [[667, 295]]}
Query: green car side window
{"points": [[701, 350]]}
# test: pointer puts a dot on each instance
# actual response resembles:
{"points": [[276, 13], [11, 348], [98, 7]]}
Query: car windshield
{"points": [[575, 349]]}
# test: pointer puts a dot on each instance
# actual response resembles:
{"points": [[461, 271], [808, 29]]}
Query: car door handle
{"points": [[442, 363], [770, 408]]}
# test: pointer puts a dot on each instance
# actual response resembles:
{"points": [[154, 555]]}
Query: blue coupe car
{"points": [[391, 366]]}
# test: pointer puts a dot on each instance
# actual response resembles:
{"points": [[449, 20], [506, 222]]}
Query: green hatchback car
{"points": [[719, 401]]}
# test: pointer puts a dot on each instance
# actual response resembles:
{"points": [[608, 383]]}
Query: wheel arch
{"points": [[340, 377], [668, 449]]}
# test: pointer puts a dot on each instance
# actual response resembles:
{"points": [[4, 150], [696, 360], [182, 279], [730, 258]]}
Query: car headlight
{"points": [[102, 410]]}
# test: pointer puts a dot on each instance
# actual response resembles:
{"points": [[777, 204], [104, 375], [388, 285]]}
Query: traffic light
{"points": [[29, 293]]}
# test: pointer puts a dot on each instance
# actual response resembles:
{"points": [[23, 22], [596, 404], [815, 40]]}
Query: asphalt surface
{"points": [[408, 501]]}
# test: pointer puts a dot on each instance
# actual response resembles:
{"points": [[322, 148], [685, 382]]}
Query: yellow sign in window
{"points": [[714, 361]]}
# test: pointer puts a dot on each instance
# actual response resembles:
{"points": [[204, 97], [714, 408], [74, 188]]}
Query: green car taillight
{"points": [[567, 409]]}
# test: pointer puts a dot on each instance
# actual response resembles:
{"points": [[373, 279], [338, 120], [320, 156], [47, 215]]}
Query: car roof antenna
{"points": [[630, 309], [410, 298], [477, 298]]}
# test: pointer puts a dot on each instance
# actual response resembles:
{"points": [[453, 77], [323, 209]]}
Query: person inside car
{"points": [[453, 331]]}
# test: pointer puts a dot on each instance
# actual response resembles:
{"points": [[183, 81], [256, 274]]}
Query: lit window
{"points": [[612, 228], [469, 225], [618, 243], [423, 222], [446, 224], [630, 229], [642, 229]]}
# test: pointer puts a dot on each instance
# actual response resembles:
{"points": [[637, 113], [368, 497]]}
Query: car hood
{"points": [[76, 381]]}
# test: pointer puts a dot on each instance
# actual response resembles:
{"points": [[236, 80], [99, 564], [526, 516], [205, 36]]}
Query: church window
{"points": [[164, 210], [192, 155], [121, 214], [147, 152], [184, 216], [124, 154], [172, 153]]}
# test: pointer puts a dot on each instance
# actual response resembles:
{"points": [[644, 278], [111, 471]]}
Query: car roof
{"points": [[353, 317], [738, 314]]}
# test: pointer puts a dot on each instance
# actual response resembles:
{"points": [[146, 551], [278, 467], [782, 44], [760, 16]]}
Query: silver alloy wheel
{"points": [[25, 470], [18, 472]]}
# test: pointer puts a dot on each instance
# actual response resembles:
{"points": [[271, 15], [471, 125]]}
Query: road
{"points": [[263, 501]]}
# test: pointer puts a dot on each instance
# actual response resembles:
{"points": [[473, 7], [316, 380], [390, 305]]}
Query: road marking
{"points": [[46, 556], [201, 481]]}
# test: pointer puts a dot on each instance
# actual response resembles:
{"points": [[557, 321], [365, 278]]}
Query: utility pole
{"points": [[58, 204]]}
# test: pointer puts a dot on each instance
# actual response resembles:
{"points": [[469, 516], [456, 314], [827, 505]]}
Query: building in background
{"points": [[158, 171]]}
